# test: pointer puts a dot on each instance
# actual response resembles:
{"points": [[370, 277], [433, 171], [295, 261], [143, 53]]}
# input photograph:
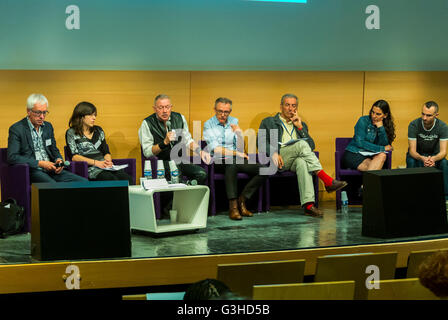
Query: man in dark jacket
{"points": [[31, 141], [285, 139]]}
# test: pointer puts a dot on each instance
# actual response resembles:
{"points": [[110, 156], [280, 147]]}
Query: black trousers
{"points": [[191, 171], [113, 175], [231, 171]]}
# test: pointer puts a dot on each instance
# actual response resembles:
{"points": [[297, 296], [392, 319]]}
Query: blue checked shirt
{"points": [[218, 135]]}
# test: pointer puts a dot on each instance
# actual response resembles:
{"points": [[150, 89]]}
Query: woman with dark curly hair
{"points": [[373, 137]]}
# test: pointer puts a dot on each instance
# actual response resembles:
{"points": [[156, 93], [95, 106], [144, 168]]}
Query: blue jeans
{"points": [[442, 165], [65, 176]]}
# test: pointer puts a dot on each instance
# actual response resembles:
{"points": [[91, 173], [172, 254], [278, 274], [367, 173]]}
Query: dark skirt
{"points": [[352, 160]]}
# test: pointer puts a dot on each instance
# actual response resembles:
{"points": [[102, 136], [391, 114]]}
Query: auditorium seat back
{"points": [[338, 290], [401, 289], [355, 267], [241, 277], [414, 261]]}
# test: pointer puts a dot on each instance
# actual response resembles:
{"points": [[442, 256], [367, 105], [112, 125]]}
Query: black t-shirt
{"points": [[428, 140]]}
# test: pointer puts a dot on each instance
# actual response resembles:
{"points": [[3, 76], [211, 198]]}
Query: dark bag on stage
{"points": [[12, 217]]}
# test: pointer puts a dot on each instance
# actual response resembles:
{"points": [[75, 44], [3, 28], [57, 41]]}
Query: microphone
{"points": [[168, 129], [64, 164], [191, 182]]}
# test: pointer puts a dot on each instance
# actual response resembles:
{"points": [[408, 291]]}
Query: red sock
{"points": [[326, 179], [309, 205]]}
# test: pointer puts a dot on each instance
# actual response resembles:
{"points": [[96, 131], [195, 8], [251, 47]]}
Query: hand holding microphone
{"points": [[60, 165], [170, 134]]}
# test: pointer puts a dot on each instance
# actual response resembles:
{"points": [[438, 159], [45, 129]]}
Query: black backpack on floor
{"points": [[12, 218]]}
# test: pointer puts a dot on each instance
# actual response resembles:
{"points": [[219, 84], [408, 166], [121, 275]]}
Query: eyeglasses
{"points": [[168, 107], [40, 113], [226, 113]]}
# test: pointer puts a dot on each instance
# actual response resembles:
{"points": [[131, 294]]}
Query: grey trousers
{"points": [[299, 158]]}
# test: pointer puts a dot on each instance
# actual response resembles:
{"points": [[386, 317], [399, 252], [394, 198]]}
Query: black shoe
{"points": [[335, 186], [314, 212]]}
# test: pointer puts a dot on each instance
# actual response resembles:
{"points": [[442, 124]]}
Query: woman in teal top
{"points": [[373, 137]]}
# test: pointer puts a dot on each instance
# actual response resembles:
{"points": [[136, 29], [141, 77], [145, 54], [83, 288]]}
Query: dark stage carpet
{"points": [[280, 229]]}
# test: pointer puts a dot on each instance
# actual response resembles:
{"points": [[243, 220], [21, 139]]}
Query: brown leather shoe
{"points": [[336, 185], [234, 213], [314, 212], [242, 206]]}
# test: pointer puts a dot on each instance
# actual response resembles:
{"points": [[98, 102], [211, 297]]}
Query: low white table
{"points": [[191, 203]]}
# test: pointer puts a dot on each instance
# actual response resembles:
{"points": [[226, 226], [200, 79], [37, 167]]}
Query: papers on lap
{"points": [[368, 153], [115, 168]]}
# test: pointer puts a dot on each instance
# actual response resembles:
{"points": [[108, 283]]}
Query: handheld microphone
{"points": [[64, 164], [168, 129]]}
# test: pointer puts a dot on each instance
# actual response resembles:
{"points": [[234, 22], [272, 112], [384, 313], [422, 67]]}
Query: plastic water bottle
{"points": [[147, 173], [344, 202], [174, 172], [160, 170]]}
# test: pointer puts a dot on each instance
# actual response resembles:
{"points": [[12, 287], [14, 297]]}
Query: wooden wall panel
{"points": [[123, 100], [406, 93], [329, 102]]}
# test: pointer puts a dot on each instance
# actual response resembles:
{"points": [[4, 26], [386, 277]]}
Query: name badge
{"points": [[48, 142], [97, 144]]}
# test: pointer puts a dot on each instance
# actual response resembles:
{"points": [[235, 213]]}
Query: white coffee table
{"points": [[191, 203]]}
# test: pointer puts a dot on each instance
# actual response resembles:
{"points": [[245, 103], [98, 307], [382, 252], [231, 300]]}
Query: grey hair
{"points": [[289, 95], [161, 96], [223, 100], [36, 98]]}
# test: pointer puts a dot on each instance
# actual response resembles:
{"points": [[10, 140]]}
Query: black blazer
{"points": [[21, 147], [274, 122]]}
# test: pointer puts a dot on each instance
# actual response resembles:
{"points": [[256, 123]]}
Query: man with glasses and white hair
{"points": [[157, 135], [293, 150], [31, 141], [224, 138]]}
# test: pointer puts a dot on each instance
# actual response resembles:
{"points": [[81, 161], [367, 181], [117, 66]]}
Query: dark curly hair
{"points": [[388, 122], [433, 273]]}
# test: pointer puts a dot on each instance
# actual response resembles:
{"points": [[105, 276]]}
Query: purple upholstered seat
{"points": [[353, 177], [15, 183]]}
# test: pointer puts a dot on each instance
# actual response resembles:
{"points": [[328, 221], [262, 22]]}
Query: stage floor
{"points": [[280, 229]]}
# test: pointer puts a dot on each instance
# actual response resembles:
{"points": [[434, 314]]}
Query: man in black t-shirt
{"points": [[428, 139]]}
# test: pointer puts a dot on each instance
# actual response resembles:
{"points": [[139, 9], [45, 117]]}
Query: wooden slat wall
{"points": [[330, 102]]}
